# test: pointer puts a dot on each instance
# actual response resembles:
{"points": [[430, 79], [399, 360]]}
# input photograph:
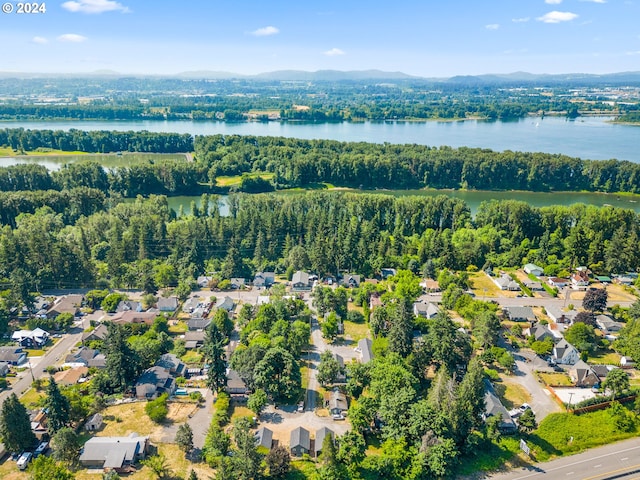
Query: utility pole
{"points": [[570, 398], [33, 379]]}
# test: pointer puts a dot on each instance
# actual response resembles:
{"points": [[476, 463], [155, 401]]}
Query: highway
{"points": [[619, 461]]}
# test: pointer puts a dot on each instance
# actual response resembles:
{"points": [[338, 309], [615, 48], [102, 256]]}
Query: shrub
{"points": [[221, 415], [157, 409]]}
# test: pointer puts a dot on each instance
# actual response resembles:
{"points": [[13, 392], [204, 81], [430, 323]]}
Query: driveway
{"points": [[541, 402]]}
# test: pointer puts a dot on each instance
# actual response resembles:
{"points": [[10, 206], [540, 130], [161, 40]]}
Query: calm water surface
{"points": [[471, 198], [589, 137]]}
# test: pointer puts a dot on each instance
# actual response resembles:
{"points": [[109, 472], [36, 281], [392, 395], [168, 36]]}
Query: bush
{"points": [[221, 415], [157, 409], [492, 374]]}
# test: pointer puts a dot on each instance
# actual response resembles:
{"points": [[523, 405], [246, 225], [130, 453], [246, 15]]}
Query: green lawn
{"points": [[490, 456], [609, 358], [178, 327], [192, 357], [555, 379], [355, 331], [235, 180]]}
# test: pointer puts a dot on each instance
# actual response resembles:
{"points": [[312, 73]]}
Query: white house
{"points": [[564, 353]]}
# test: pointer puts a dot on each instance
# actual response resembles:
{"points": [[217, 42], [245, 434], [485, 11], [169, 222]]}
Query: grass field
{"points": [[565, 433], [483, 286], [178, 327], [610, 358], [555, 379], [355, 331], [235, 180], [192, 357], [512, 394]]}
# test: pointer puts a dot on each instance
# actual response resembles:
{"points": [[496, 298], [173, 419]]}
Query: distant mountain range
{"points": [[361, 75]]}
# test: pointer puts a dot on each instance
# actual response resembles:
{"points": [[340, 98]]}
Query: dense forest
{"points": [[138, 244], [302, 163]]}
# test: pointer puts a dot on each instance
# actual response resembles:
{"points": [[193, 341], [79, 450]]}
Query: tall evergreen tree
{"points": [[121, 360], [400, 333], [58, 408], [214, 353], [15, 426]]}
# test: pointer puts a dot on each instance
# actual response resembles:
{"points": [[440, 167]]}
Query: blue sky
{"points": [[432, 38]]}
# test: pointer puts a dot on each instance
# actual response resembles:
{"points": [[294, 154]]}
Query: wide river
{"points": [[594, 138]]}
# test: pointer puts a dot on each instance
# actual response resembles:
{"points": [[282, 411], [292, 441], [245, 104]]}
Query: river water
{"points": [[594, 138]]}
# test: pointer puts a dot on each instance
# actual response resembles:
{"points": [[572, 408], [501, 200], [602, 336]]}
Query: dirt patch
{"points": [[179, 412]]}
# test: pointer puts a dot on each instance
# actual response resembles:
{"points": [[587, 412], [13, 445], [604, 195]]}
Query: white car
{"points": [[516, 412]]}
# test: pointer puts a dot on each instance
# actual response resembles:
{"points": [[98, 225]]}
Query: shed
{"points": [[321, 434], [94, 423]]}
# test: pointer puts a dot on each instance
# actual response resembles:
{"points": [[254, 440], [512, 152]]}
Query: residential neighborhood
{"points": [[545, 369]]}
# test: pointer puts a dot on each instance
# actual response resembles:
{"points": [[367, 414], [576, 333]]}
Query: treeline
{"points": [[21, 139], [302, 163], [158, 178], [298, 163], [125, 244], [233, 110]]}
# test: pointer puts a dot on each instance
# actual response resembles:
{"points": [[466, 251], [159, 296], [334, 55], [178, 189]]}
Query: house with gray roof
{"points": [[300, 281], [198, 323], [560, 316], [505, 282], [264, 279], [98, 333], [426, 310], [194, 339], [114, 453], [264, 438], [540, 333], [129, 305], [13, 355], [365, 348], [338, 404], [169, 304], [583, 375], [520, 314], [350, 280], [85, 357], [300, 442], [226, 303], [154, 382], [494, 408], [565, 354], [321, 434], [608, 325]]}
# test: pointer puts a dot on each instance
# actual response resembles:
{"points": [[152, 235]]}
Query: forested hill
{"points": [[302, 163]]}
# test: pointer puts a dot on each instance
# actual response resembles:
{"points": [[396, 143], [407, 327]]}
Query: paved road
{"points": [[318, 346], [616, 461], [541, 402], [55, 353]]}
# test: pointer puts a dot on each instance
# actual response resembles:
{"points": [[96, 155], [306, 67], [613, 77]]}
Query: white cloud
{"points": [[492, 26], [94, 6], [334, 52], [594, 1], [520, 20], [265, 31], [553, 2], [637, 52], [557, 17], [71, 37], [39, 40]]}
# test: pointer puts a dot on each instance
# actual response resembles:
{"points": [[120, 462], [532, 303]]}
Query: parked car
{"points": [[301, 407], [516, 412]]}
